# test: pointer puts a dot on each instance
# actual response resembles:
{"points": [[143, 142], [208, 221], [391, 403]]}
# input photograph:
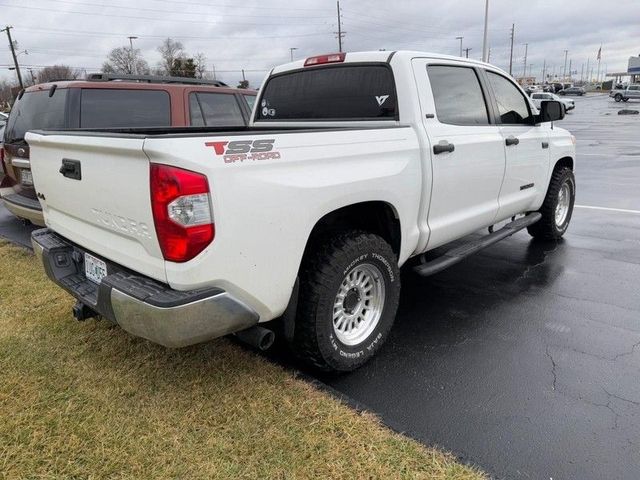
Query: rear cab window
{"points": [[118, 107], [330, 93], [36, 110]]}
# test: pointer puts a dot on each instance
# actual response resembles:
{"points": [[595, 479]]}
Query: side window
{"points": [[118, 107], [513, 108], [251, 100], [195, 113], [217, 110], [458, 95]]}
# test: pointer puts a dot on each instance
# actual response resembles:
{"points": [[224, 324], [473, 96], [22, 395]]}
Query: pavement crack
{"points": [[626, 354], [618, 397], [553, 369]]}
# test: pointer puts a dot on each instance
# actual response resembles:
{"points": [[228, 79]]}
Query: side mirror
{"points": [[550, 111]]}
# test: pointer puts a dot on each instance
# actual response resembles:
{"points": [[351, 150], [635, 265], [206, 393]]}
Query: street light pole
{"points": [[526, 51], [564, 73], [460, 38], [486, 26], [291, 52], [131, 39]]}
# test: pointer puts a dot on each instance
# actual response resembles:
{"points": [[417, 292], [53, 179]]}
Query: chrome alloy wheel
{"points": [[563, 205], [358, 306]]}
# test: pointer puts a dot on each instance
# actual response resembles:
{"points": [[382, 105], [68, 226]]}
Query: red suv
{"points": [[109, 101]]}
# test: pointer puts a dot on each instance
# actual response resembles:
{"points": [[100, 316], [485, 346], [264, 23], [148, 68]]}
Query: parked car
{"points": [[538, 98], [352, 165], [626, 94], [572, 91], [110, 101]]}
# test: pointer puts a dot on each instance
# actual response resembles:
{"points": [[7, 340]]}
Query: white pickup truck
{"points": [[353, 164]]}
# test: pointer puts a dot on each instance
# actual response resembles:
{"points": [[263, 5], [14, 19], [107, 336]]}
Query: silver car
{"points": [[538, 98]]}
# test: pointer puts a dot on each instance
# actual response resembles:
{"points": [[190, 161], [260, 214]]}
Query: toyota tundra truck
{"points": [[352, 165]]}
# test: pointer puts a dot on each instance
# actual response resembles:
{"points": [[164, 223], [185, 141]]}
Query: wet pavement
{"points": [[525, 358]]}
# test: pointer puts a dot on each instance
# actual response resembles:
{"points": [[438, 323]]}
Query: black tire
{"points": [[618, 98], [324, 272], [547, 228]]}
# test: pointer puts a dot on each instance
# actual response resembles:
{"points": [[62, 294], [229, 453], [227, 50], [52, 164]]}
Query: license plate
{"points": [[94, 268], [26, 177]]}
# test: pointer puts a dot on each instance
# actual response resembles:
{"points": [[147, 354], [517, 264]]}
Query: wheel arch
{"points": [[564, 162], [377, 217]]}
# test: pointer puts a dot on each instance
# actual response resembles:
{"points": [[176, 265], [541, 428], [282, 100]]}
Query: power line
{"points": [[179, 12], [136, 17], [81, 33]]}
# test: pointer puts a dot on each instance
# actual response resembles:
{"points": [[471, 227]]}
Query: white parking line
{"points": [[608, 209]]}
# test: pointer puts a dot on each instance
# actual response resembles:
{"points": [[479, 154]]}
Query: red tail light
{"points": [[182, 214], [322, 59]]}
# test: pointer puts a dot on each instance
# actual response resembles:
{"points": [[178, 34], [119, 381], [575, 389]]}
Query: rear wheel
{"points": [[349, 292], [618, 97], [557, 207]]}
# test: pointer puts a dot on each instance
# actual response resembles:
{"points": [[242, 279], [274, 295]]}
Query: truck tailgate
{"points": [[102, 200]]}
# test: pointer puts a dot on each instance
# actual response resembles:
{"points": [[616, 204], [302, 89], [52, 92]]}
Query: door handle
{"points": [[545, 144], [71, 169], [512, 141], [443, 147]]}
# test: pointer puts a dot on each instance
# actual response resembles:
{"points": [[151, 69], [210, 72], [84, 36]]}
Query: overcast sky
{"points": [[257, 34]]}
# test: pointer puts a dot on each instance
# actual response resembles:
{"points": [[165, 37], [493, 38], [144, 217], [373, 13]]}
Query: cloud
{"points": [[255, 36]]}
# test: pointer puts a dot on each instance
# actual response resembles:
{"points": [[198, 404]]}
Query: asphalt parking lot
{"points": [[525, 358]]}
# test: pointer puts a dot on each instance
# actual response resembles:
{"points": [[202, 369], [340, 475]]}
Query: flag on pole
{"points": [[599, 53]]}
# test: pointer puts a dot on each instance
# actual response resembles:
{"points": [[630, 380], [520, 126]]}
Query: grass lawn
{"points": [[86, 400]]}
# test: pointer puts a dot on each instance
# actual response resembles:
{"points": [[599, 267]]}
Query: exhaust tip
{"points": [[257, 337]]}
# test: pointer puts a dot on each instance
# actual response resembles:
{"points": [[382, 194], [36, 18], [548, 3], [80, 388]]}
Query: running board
{"points": [[459, 253]]}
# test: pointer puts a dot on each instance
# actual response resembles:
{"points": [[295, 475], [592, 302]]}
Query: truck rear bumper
{"points": [[140, 305], [24, 207]]}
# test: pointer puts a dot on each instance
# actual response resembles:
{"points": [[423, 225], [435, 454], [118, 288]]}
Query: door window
{"points": [[513, 108], [458, 96]]}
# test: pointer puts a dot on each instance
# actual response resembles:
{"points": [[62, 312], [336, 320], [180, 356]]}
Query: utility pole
{"points": [[467, 50], [460, 38], [564, 73], [526, 50], [513, 33], [544, 71], [489, 55], [13, 53], [582, 74], [486, 27], [340, 32]]}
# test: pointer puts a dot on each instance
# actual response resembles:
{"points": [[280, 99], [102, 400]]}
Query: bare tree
{"points": [[57, 72], [201, 64], [170, 50], [126, 60]]}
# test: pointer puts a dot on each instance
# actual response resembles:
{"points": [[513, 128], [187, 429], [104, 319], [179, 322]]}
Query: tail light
{"points": [[181, 205], [322, 59]]}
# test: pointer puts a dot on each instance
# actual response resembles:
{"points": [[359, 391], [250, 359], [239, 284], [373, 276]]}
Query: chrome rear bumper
{"points": [[140, 305]]}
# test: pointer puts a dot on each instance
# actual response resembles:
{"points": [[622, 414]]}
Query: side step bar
{"points": [[459, 253]]}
